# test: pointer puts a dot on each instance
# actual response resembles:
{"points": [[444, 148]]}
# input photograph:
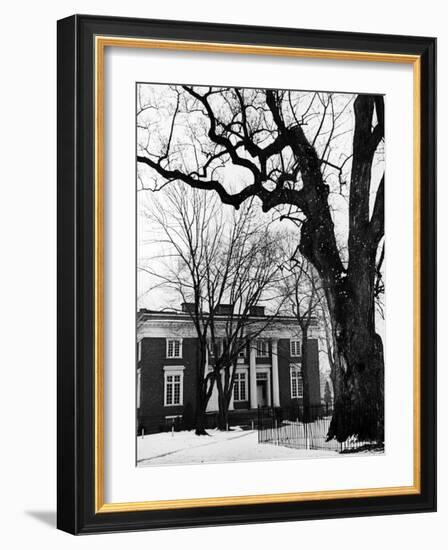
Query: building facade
{"points": [[268, 371]]}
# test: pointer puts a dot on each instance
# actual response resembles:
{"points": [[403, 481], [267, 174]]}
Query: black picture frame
{"points": [[76, 512]]}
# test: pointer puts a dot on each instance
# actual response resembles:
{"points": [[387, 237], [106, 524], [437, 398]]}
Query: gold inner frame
{"points": [[101, 42]]}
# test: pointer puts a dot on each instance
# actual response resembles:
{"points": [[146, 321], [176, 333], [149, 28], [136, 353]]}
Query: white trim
{"points": [[139, 350], [173, 368], [275, 379], [242, 367], [253, 378], [263, 368], [266, 372], [173, 327], [139, 388]]}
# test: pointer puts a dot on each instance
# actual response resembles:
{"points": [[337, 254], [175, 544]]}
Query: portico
{"points": [[264, 384]]}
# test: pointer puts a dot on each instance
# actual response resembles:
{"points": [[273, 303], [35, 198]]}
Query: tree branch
{"points": [[376, 226]]}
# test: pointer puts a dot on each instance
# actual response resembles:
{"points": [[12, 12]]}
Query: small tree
{"points": [[210, 260], [250, 274], [302, 294], [188, 225]]}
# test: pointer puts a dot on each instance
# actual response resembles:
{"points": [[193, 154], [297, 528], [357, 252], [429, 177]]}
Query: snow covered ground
{"points": [[236, 445]]}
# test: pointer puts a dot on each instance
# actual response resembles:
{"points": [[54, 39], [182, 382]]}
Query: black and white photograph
{"points": [[220, 267], [261, 294]]}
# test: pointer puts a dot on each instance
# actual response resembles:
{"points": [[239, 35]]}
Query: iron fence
{"points": [[303, 428]]}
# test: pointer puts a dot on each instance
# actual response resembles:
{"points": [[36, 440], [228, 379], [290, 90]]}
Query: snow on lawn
{"points": [[235, 445]]}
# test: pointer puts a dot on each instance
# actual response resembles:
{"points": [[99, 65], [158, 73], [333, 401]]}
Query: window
{"points": [[242, 351], [296, 383], [240, 387], [174, 348], [173, 387], [218, 344], [174, 382], [295, 348], [262, 348], [173, 420]]}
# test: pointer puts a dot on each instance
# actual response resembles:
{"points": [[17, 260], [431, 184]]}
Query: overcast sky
{"points": [[155, 105]]}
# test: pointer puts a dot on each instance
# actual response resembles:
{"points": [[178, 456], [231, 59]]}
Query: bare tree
{"points": [[284, 147], [188, 225], [250, 276], [209, 261], [302, 294]]}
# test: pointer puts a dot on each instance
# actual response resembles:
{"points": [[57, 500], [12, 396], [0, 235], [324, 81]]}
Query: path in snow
{"points": [[188, 448]]}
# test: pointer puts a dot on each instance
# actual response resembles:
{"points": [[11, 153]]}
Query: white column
{"points": [[231, 406], [213, 404], [275, 385], [269, 390], [253, 376]]}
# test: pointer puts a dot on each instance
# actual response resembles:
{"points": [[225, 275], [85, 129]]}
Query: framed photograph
{"points": [[246, 274]]}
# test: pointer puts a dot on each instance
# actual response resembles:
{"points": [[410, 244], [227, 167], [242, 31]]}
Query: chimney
{"points": [[224, 309], [187, 307], [257, 311]]}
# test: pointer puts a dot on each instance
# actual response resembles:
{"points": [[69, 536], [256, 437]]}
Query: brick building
{"points": [[269, 368]]}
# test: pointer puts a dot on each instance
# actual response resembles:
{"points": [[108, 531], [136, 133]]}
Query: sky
{"points": [[166, 116], [156, 105]]}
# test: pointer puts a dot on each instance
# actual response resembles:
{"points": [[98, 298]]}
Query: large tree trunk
{"points": [[359, 384], [333, 359], [200, 415], [223, 400], [359, 405], [202, 392], [223, 416], [224, 384], [223, 411]]}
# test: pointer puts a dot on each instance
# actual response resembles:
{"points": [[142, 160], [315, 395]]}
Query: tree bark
{"points": [[359, 401], [223, 412], [333, 358], [200, 415], [202, 393]]}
